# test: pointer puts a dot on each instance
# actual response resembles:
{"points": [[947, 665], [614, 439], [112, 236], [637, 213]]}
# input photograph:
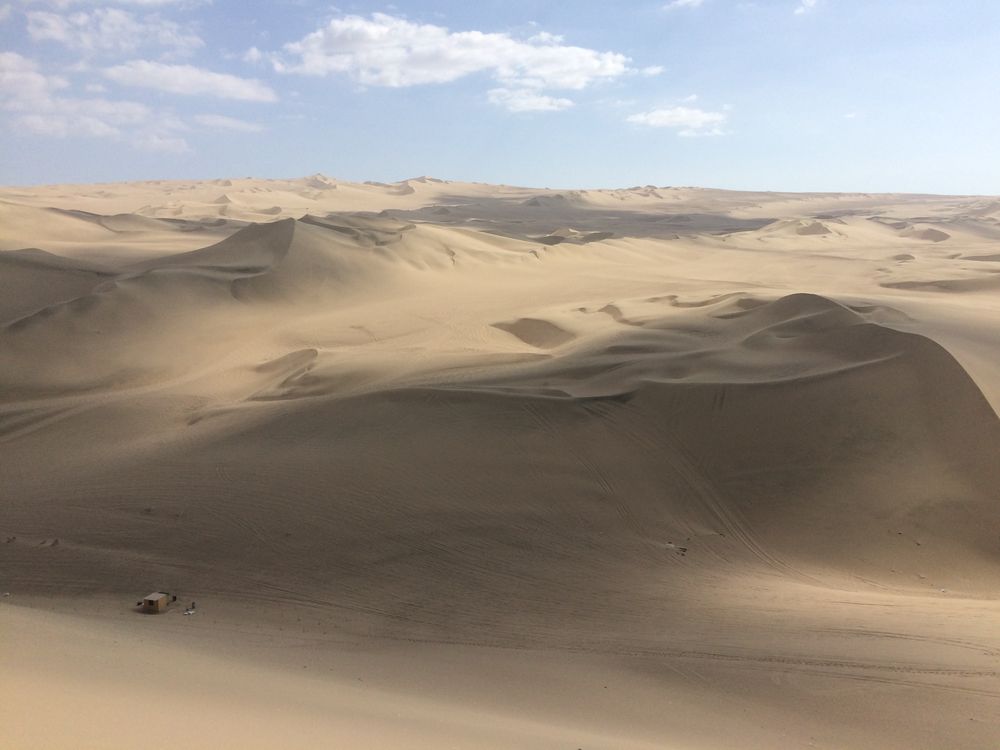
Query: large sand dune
{"points": [[481, 466]]}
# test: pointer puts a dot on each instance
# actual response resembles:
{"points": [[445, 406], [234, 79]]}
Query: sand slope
{"points": [[659, 467]]}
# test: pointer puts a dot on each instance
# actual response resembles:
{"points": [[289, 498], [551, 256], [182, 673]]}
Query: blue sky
{"points": [[846, 95]]}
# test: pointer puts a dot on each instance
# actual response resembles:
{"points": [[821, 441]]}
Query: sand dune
{"points": [[928, 233], [35, 279], [484, 466]]}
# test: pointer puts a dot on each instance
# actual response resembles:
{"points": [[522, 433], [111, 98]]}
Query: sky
{"points": [[798, 95]]}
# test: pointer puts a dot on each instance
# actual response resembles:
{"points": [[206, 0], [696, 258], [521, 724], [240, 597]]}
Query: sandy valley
{"points": [[461, 465]]}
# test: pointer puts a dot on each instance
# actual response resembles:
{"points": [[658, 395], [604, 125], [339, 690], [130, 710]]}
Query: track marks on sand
{"points": [[637, 430]]}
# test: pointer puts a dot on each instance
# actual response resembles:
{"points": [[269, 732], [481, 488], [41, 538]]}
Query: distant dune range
{"points": [[734, 453]]}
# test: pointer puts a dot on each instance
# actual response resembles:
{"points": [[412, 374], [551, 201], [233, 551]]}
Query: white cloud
{"points": [[61, 116], [805, 6], [35, 105], [89, 117], [527, 100], [544, 37], [189, 80], [652, 70], [385, 50], [110, 30], [253, 55], [683, 4], [21, 83], [221, 122], [687, 121]]}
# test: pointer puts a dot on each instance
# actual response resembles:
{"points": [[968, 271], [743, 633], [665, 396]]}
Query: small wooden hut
{"points": [[155, 603]]}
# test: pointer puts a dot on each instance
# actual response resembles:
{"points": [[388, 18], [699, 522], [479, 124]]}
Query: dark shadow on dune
{"points": [[981, 284], [524, 220]]}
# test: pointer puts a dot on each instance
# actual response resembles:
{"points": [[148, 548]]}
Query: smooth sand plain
{"points": [[460, 465]]}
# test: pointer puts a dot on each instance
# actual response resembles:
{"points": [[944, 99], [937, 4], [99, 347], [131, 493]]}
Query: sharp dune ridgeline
{"points": [[450, 464]]}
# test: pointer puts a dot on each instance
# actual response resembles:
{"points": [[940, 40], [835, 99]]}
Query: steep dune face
{"points": [[842, 443], [253, 249], [884, 469], [34, 279], [153, 322]]}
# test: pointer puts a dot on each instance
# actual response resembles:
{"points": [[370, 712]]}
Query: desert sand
{"points": [[460, 465]]}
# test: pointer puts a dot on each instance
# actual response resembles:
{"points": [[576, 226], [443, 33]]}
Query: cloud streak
{"points": [[527, 100], [188, 80], [686, 121], [224, 123]]}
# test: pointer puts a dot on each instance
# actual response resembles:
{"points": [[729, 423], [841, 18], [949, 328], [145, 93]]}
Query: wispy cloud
{"points": [[222, 122], [805, 6], [253, 55], [110, 31], [527, 100], [22, 83], [386, 50], [687, 121], [683, 4], [36, 104], [189, 81], [88, 117]]}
